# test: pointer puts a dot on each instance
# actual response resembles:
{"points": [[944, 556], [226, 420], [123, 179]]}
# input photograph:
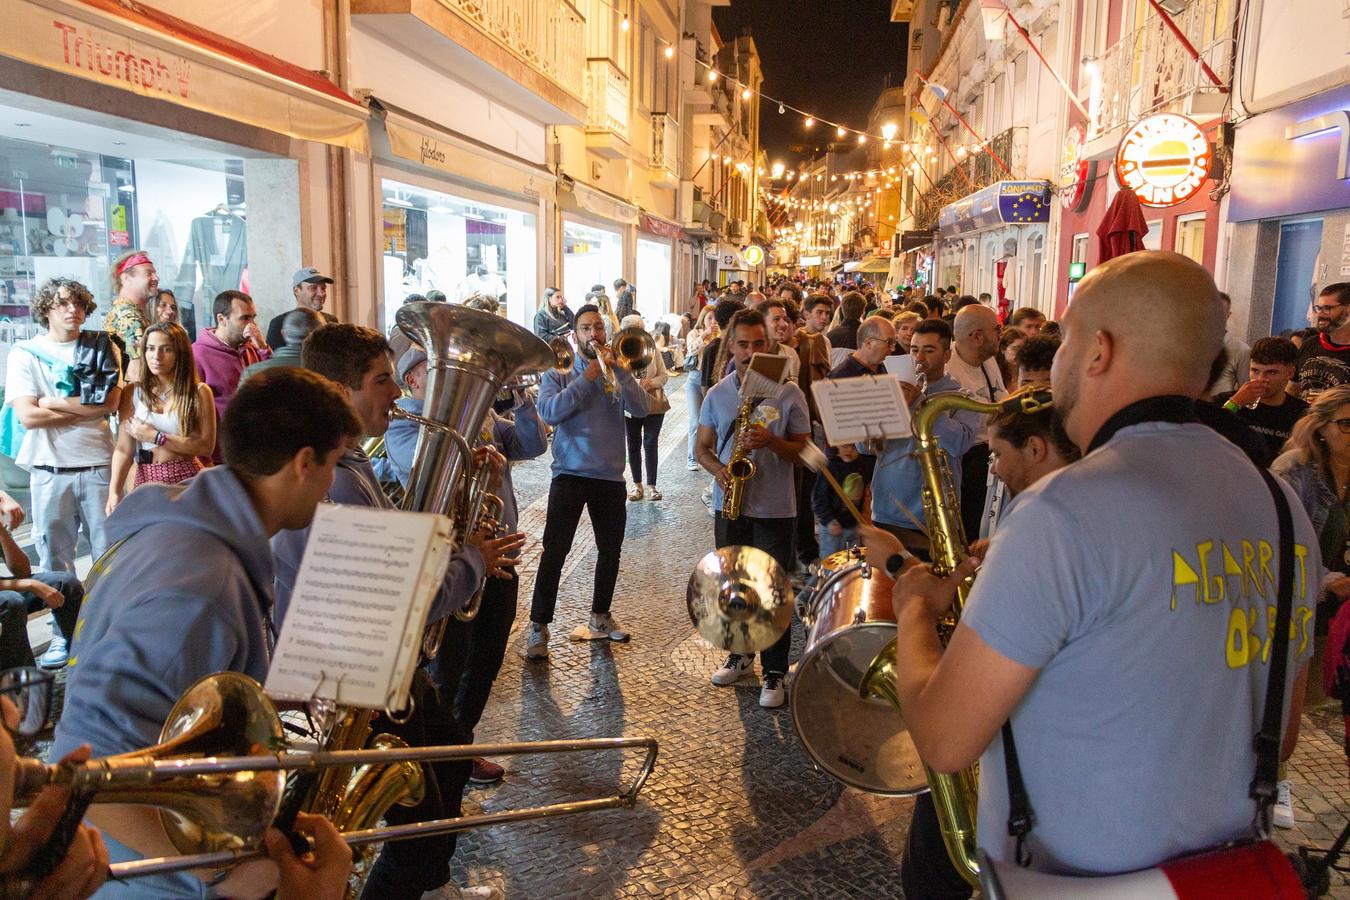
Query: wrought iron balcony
{"points": [[976, 171], [1148, 69], [664, 163]]}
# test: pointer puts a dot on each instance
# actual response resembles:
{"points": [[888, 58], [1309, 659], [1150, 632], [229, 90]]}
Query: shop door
{"points": [[1295, 270]]}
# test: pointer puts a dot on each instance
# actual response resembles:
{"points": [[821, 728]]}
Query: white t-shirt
{"points": [[974, 383], [88, 442]]}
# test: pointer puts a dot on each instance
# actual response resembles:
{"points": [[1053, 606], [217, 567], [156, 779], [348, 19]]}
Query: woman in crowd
{"points": [[664, 345], [704, 330], [905, 323], [644, 434], [168, 418], [1008, 345], [166, 307], [554, 318]]}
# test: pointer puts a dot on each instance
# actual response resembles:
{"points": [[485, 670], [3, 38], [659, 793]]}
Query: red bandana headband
{"points": [[132, 261]]}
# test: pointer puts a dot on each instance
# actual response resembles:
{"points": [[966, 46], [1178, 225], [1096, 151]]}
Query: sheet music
{"points": [[764, 376], [353, 630], [902, 367], [854, 410]]}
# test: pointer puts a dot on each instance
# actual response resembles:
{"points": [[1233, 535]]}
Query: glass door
{"points": [[1295, 271]]}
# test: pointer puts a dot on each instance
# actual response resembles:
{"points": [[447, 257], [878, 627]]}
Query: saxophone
{"points": [[740, 468], [955, 796]]}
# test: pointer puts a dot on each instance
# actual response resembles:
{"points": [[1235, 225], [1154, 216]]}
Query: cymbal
{"points": [[740, 599]]}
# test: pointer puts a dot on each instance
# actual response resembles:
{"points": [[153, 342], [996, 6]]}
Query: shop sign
{"points": [[1164, 159], [1002, 203], [1076, 172], [808, 261], [885, 246], [653, 225], [754, 254], [728, 260], [118, 235]]}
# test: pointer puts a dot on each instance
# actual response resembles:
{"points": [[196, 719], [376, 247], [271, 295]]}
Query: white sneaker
{"points": [[693, 466], [536, 641], [735, 667], [1282, 813], [772, 694], [56, 655], [452, 891], [601, 627]]}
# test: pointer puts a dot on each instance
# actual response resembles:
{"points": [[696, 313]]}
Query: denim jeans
{"points": [[15, 608], [693, 398], [830, 543], [62, 502]]}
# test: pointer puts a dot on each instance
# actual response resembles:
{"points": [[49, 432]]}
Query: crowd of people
{"points": [[145, 440]]}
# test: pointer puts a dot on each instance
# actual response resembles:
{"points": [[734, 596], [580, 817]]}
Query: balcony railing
{"points": [[1148, 69], [665, 142], [976, 171], [548, 35], [606, 98]]}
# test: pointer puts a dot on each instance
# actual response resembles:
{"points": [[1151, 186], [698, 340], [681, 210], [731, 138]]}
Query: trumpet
{"points": [[216, 803]]}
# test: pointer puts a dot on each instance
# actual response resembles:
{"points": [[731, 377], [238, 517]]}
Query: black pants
{"points": [[925, 869], [15, 607], [974, 474], [471, 653], [806, 545], [774, 537], [644, 436], [608, 506], [405, 870]]}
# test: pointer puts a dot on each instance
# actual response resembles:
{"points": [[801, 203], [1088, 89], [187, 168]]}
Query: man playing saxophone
{"points": [[769, 432], [1131, 663]]}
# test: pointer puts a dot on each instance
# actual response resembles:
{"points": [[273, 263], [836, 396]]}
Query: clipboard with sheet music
{"points": [[862, 409]]}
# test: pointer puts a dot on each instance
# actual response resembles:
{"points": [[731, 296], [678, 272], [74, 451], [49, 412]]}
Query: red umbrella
{"points": [[1123, 227]]}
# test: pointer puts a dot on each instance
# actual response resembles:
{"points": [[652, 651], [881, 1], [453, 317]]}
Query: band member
{"points": [[585, 407], [153, 624], [471, 652], [1082, 650], [778, 428], [357, 360]]}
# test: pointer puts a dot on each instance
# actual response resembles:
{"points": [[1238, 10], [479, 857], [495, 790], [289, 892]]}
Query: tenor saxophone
{"points": [[955, 796], [740, 468]]}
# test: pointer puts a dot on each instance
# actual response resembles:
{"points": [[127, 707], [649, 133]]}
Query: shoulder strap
{"points": [[1267, 740]]}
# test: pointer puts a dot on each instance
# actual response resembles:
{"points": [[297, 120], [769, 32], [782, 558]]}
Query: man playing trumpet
{"points": [[778, 428], [585, 407]]}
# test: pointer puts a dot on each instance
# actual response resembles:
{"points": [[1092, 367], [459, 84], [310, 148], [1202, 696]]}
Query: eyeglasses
{"points": [[1328, 309], [1342, 425], [33, 693]]}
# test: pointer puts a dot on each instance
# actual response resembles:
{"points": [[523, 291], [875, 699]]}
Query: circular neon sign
{"points": [[1075, 171], [754, 254], [1164, 159]]}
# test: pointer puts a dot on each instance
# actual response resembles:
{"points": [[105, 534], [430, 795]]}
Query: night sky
{"points": [[828, 57]]}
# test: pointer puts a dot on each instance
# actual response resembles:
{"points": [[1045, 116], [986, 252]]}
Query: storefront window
{"points": [[591, 256], [653, 278], [1190, 240], [69, 213], [440, 242]]}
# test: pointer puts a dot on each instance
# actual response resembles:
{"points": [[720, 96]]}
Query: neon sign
{"points": [[1164, 159]]}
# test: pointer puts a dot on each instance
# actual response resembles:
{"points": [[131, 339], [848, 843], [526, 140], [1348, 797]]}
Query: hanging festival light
{"points": [[841, 131], [625, 24], [745, 94], [712, 75], [810, 120], [670, 51]]}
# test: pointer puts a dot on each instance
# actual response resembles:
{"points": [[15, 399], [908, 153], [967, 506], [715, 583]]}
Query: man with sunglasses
{"points": [[1324, 360]]}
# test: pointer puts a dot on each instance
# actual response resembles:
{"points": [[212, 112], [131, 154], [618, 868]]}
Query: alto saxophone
{"points": [[740, 468], [955, 796]]}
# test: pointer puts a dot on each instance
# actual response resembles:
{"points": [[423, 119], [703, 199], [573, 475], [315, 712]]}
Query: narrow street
{"points": [[735, 808]]}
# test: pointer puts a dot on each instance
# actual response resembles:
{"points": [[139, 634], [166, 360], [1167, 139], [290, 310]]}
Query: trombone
{"points": [[208, 777]]}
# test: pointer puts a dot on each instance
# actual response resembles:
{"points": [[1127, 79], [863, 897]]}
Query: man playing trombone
{"points": [[152, 624], [777, 429], [585, 407]]}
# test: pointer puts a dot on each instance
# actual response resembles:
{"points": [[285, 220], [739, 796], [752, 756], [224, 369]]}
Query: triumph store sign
{"points": [[139, 49]]}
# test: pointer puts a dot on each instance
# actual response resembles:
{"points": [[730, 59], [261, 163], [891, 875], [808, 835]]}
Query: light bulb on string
{"points": [[781, 108], [862, 138], [810, 121], [625, 25], [745, 94], [712, 75], [841, 131], [670, 51]]}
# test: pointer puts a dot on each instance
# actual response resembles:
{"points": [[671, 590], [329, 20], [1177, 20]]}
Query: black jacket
{"points": [[547, 327], [845, 334], [98, 366]]}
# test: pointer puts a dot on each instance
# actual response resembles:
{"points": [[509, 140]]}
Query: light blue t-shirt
{"points": [[1140, 584], [770, 494]]}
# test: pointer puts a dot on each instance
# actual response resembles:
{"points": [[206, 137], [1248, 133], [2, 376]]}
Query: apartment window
{"points": [[1080, 248], [645, 65], [994, 123], [1019, 93], [1047, 94], [1190, 238]]}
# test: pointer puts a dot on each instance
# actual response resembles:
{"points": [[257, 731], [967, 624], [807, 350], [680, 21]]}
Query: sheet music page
{"points": [[354, 626], [902, 367], [764, 375], [854, 410]]}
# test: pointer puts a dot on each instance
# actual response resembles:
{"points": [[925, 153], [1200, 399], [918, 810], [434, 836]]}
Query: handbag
{"points": [[1254, 869], [659, 404]]}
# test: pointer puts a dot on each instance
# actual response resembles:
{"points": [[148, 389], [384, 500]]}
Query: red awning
{"points": [[149, 52]]}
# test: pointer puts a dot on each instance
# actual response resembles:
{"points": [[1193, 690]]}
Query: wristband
{"points": [[1231, 406], [893, 564], [160, 438]]}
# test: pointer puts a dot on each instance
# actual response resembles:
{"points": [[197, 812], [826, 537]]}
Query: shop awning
{"points": [[1002, 203], [874, 265], [140, 49], [580, 198]]}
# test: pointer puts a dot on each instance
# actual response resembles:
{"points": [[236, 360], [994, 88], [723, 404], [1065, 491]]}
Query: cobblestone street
{"points": [[735, 808]]}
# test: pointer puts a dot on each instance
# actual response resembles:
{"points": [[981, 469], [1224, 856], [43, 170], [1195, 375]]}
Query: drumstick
{"points": [[814, 458]]}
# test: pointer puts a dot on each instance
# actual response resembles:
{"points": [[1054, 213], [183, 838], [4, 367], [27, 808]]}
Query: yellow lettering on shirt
{"points": [[1266, 553], [1249, 580], [1231, 568], [1182, 575], [1213, 585]]}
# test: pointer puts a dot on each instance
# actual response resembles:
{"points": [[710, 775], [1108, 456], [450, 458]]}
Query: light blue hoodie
{"points": [[589, 435], [154, 622]]}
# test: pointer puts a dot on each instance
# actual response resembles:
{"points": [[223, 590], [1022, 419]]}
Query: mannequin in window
{"points": [[214, 259], [482, 282]]}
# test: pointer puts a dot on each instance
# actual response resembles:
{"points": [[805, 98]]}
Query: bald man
{"points": [[975, 335], [1132, 703]]}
